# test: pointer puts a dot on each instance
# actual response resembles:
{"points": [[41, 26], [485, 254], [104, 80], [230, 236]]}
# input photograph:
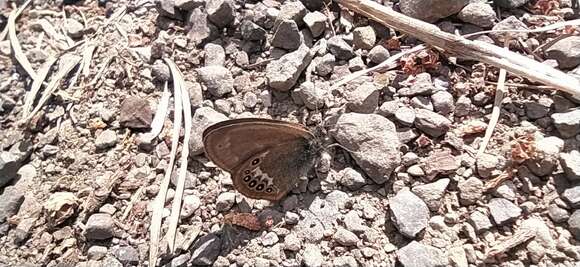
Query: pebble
{"points": [[378, 54], [270, 239], [415, 171], [443, 102], [96, 252], [571, 164], [431, 123], [181, 260], [190, 204], [200, 30], [480, 221], [345, 237], [480, 14], [572, 195], [291, 218], [325, 65], [287, 36], [351, 178], [11, 199], [486, 164], [410, 214], [420, 84], [470, 190], [217, 79], [206, 250], [135, 113], [503, 211], [432, 193], [106, 139], [292, 242], [293, 10], [558, 214], [364, 37], [364, 99], [316, 22], [373, 134], [340, 48], [99, 226], [312, 256], [214, 55], [354, 223], [405, 116], [565, 52], [417, 254], [282, 74], [311, 96], [421, 102], [220, 12], [252, 32], [160, 71], [127, 255], [74, 29], [509, 23], [345, 261], [355, 64], [225, 201]]}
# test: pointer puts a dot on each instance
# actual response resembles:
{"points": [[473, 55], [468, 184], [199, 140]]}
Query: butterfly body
{"points": [[265, 157]]}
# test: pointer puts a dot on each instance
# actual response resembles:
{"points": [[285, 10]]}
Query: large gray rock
{"points": [[431, 123], [287, 35], [566, 52], [220, 12], [571, 164], [373, 140], [503, 211], [282, 74], [10, 200], [431, 10], [217, 79], [409, 213], [416, 254]]}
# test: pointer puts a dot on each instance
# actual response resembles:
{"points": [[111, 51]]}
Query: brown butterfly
{"points": [[264, 157]]}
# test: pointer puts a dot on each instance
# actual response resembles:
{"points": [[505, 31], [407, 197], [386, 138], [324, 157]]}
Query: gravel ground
{"points": [[403, 187]]}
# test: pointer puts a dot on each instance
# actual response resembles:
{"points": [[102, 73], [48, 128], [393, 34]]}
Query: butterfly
{"points": [[265, 157]]}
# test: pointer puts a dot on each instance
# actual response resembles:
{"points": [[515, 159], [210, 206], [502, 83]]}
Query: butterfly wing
{"points": [[271, 173], [230, 143]]}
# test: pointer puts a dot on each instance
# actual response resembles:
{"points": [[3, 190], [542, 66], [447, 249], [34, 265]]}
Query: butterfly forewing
{"points": [[231, 142]]}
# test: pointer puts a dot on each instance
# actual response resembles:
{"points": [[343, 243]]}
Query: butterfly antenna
{"points": [[341, 146]]}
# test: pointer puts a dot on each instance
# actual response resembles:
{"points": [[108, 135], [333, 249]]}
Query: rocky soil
{"points": [[404, 188]]}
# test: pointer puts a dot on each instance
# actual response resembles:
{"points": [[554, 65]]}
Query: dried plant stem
{"points": [[16, 48]]}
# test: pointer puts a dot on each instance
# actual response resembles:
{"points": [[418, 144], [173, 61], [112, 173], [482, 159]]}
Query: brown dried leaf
{"points": [[245, 220]]}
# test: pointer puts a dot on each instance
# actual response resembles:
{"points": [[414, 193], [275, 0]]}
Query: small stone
{"points": [[340, 48], [181, 260], [388, 108], [571, 164], [325, 65], [352, 179], [432, 193], [270, 239], [250, 100], [574, 224], [345, 237], [108, 209], [287, 36], [252, 32], [356, 64], [292, 10], [190, 204], [312, 96], [421, 102], [291, 218], [220, 12], [136, 113], [378, 54], [206, 250], [189, 4], [420, 84], [405, 115], [364, 99], [503, 210], [440, 161], [160, 71], [566, 52], [225, 201], [480, 14], [557, 214], [480, 221], [282, 74], [74, 28], [214, 55], [536, 110], [415, 171], [345, 261], [572, 195], [431, 123], [409, 213], [417, 254], [99, 226], [126, 255], [510, 23], [364, 37], [312, 256], [486, 164], [463, 106], [200, 30], [217, 79], [292, 242], [470, 190], [354, 223], [96, 252], [106, 139], [443, 102], [11, 199], [373, 134], [316, 22], [457, 257]]}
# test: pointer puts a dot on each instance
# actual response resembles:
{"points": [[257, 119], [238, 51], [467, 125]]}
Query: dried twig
{"points": [[36, 84], [16, 48], [469, 49], [4, 32], [160, 115], [500, 91], [183, 96]]}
